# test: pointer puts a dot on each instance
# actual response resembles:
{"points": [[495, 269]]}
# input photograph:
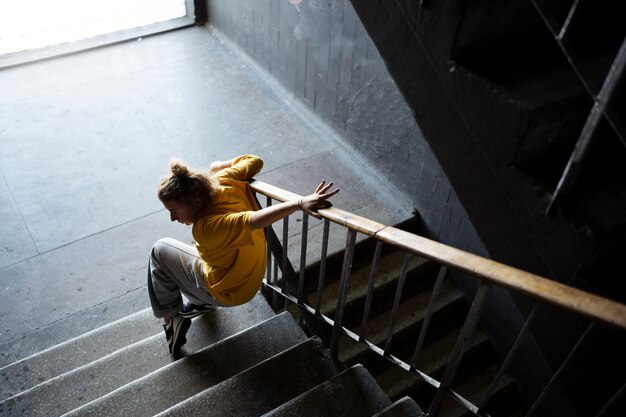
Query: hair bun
{"points": [[178, 168]]}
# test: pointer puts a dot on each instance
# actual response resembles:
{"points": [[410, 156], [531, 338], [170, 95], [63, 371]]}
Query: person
{"points": [[226, 264]]}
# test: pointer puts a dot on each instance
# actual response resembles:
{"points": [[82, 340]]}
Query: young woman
{"points": [[226, 265]]}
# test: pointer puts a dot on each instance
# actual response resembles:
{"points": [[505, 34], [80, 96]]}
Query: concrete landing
{"points": [[84, 140]]}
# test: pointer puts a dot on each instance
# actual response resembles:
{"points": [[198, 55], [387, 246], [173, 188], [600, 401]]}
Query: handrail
{"points": [[592, 306]]}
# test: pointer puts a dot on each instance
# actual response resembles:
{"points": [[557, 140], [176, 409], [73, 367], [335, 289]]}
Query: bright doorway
{"points": [[35, 24]]}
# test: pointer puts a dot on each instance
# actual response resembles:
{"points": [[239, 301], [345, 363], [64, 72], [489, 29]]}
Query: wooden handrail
{"points": [[594, 307]]}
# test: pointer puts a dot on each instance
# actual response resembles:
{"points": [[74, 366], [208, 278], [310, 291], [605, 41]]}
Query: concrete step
{"points": [[72, 326], [28, 372], [265, 386], [387, 275], [420, 278], [93, 345], [473, 387], [353, 393], [60, 394], [433, 360], [208, 367], [404, 407], [411, 313]]}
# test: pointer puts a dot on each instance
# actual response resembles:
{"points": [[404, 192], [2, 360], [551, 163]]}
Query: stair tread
{"points": [[353, 392], [264, 386], [388, 270], [59, 394], [28, 372], [178, 381], [91, 346], [397, 382], [410, 312], [404, 407], [472, 389]]}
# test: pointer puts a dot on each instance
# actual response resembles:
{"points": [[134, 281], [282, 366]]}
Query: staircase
{"points": [[241, 361], [479, 364]]}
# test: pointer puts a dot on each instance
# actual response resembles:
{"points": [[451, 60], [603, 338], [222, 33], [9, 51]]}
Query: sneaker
{"points": [[193, 310], [176, 331]]}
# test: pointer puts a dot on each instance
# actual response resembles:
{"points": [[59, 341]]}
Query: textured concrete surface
{"points": [[170, 385], [105, 340], [353, 393], [83, 142], [264, 386], [87, 383], [404, 407]]}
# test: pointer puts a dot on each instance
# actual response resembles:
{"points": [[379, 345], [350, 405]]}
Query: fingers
{"points": [[322, 188], [319, 199]]}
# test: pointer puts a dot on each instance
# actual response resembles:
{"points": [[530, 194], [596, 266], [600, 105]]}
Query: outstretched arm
{"points": [[309, 204], [220, 165]]}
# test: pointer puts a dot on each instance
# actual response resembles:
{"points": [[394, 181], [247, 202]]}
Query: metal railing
{"points": [[603, 96], [599, 311]]}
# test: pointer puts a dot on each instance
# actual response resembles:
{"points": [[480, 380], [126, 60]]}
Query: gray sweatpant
{"points": [[175, 269]]}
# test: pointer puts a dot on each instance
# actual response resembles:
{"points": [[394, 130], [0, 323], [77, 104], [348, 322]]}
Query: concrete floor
{"points": [[83, 142]]}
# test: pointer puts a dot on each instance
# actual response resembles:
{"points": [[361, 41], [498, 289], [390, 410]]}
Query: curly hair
{"points": [[184, 184]]}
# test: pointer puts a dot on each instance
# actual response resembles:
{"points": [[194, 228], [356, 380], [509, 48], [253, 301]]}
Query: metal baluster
{"points": [[590, 85], [612, 401], [457, 354], [507, 360], [268, 237], [429, 312], [343, 292], [370, 288], [396, 302], [275, 279], [552, 25], [285, 275], [305, 230], [322, 276], [568, 20], [598, 112], [556, 375], [303, 244]]}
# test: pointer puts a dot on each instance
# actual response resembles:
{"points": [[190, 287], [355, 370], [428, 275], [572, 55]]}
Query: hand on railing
{"points": [[311, 203]]}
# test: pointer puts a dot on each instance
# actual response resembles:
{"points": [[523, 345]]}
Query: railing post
{"points": [[303, 244], [429, 312], [612, 401], [345, 279], [457, 354], [322, 275], [396, 302], [269, 234], [285, 258], [556, 375], [508, 359], [370, 288]]}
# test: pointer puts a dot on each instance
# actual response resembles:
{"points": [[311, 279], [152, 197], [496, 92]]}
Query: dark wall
{"points": [[320, 52], [464, 161]]}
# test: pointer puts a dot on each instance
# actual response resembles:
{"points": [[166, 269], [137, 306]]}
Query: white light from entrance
{"points": [[38, 23]]}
